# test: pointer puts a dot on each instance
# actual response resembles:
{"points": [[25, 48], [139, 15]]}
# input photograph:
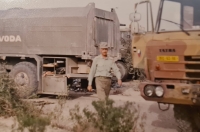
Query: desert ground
{"points": [[156, 120]]}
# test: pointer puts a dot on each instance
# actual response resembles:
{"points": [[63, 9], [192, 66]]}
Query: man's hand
{"points": [[120, 83], [89, 88]]}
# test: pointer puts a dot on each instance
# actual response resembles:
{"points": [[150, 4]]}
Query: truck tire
{"points": [[183, 116], [123, 70], [196, 117], [25, 75], [2, 69]]}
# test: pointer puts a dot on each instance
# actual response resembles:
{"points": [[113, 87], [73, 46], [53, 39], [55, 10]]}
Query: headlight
{"points": [[159, 91], [149, 90]]}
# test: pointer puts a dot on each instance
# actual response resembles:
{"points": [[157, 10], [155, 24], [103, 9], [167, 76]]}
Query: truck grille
{"points": [[195, 68], [192, 66], [192, 58], [187, 68], [193, 74]]}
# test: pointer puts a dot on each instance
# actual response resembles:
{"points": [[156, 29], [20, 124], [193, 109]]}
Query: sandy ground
{"points": [[156, 120]]}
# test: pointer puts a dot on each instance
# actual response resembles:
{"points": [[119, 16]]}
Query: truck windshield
{"points": [[180, 15]]}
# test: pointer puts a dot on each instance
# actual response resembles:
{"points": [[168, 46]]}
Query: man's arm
{"points": [[116, 71], [92, 72]]}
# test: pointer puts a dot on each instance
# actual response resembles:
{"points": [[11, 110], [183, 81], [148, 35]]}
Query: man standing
{"points": [[102, 68]]}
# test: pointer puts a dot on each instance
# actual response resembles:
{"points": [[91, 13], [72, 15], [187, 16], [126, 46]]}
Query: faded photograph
{"points": [[99, 65]]}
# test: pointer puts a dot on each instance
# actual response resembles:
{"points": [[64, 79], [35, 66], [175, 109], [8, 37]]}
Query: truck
{"points": [[125, 52], [45, 49], [169, 51], [128, 72]]}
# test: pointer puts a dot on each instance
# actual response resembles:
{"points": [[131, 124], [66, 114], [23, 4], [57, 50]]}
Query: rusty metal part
{"points": [[174, 93], [164, 109], [47, 73]]}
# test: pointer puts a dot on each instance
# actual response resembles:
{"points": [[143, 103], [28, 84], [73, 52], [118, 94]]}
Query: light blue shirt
{"points": [[103, 67]]}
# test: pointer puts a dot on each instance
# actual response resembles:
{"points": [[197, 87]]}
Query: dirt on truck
{"points": [[45, 49], [169, 51]]}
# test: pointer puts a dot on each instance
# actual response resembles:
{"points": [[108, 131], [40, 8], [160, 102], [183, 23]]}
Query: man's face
{"points": [[104, 51]]}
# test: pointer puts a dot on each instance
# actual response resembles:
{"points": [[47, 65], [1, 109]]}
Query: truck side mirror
{"points": [[135, 28], [137, 17], [131, 17], [134, 18]]}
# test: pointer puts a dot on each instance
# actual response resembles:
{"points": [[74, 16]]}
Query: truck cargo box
{"points": [[74, 31]]}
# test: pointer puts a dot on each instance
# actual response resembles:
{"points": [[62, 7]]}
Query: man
{"points": [[101, 69]]}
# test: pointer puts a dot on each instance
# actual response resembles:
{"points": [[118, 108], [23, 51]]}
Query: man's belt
{"points": [[104, 77]]}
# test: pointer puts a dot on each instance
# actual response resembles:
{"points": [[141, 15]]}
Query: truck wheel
{"points": [[123, 70], [2, 69], [183, 116], [25, 75], [196, 117]]}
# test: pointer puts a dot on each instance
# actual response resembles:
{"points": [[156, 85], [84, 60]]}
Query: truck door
{"points": [[142, 30]]}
